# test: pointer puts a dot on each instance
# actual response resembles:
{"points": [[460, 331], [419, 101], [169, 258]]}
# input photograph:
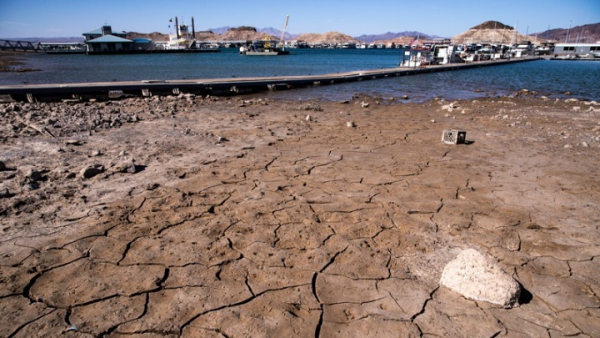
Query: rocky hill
{"points": [[154, 36], [402, 40], [493, 25], [492, 32], [241, 34], [329, 37]]}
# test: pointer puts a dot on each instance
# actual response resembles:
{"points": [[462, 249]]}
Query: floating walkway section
{"points": [[218, 87]]}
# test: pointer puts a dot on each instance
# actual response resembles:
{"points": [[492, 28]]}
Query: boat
{"points": [[266, 47], [185, 41], [262, 48], [416, 57], [445, 54]]}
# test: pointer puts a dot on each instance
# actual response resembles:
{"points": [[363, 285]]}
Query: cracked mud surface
{"points": [[289, 226]]}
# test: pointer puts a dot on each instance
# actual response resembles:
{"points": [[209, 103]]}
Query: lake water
{"points": [[552, 78]]}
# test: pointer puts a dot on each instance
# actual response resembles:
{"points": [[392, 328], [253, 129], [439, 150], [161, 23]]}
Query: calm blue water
{"points": [[549, 77]]}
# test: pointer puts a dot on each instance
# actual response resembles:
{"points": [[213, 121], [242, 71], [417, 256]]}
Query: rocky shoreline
{"points": [[188, 216]]}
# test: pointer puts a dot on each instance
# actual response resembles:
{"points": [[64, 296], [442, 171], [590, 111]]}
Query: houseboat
{"points": [[577, 50], [416, 57]]}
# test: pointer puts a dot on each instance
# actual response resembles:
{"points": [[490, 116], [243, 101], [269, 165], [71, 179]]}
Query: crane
{"points": [[283, 31]]}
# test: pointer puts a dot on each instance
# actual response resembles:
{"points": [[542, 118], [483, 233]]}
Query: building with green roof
{"points": [[105, 41]]}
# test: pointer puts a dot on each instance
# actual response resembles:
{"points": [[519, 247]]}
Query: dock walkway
{"points": [[219, 87]]}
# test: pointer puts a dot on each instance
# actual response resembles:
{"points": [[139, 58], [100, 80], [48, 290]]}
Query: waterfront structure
{"points": [[109, 44], [102, 31], [105, 41], [577, 50]]}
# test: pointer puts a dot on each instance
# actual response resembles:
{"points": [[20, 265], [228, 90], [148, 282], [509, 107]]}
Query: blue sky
{"points": [[66, 18]]}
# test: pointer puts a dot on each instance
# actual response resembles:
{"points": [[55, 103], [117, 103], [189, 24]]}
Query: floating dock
{"points": [[217, 87]]}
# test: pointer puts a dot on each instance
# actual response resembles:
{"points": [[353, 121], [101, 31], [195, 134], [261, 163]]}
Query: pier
{"points": [[218, 87], [21, 46]]}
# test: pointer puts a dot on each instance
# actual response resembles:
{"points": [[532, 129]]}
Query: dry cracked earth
{"points": [[241, 217]]}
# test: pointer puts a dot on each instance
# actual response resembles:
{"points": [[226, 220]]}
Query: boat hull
{"points": [[283, 52]]}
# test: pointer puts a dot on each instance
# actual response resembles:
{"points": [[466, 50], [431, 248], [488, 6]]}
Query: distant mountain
{"points": [[583, 34], [219, 30], [392, 36], [72, 39], [277, 33]]}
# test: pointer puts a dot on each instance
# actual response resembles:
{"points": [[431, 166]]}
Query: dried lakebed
{"points": [[188, 216]]}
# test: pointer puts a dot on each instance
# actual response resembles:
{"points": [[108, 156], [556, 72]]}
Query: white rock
{"points": [[350, 124], [450, 107], [126, 166], [479, 277]]}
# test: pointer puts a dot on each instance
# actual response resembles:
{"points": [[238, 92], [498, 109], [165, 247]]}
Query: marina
{"points": [[247, 182]]}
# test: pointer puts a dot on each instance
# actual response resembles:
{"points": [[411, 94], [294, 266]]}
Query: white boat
{"points": [[416, 57], [445, 54]]}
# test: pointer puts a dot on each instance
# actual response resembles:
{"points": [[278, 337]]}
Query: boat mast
{"points": [[283, 31], [495, 22]]}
